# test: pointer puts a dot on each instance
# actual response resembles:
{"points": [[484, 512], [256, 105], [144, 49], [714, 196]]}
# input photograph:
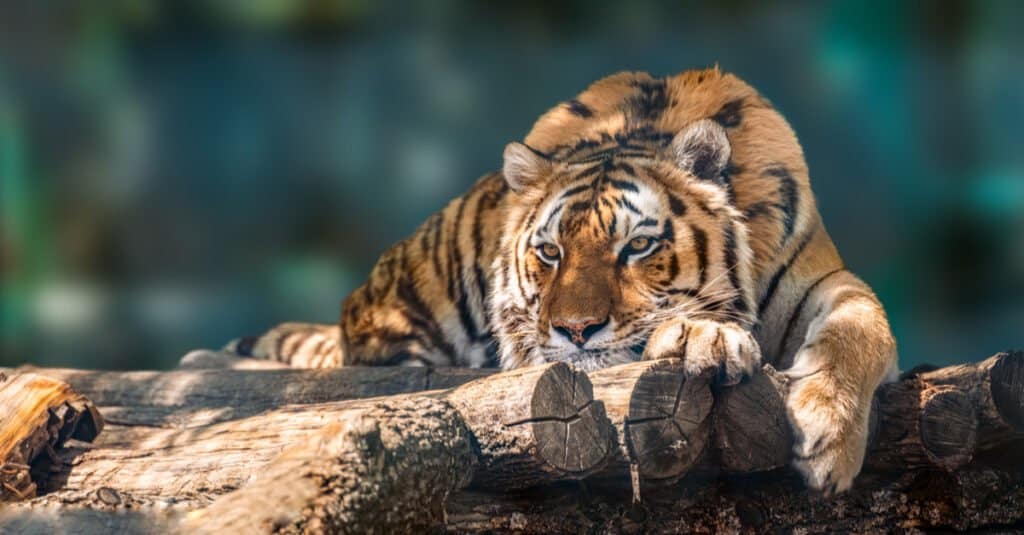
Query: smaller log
{"points": [[996, 387], [534, 425], [37, 416], [660, 416], [751, 431], [946, 417], [938, 419]]}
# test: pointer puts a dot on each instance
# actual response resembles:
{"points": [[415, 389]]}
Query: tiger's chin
{"points": [[589, 360]]}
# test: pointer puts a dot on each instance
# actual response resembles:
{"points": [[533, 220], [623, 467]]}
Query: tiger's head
{"points": [[606, 241]]}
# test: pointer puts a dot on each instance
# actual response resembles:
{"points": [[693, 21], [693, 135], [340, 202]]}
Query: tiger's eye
{"points": [[639, 244], [549, 250]]}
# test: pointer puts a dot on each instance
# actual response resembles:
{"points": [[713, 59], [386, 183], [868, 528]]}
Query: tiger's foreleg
{"points": [[846, 352], [300, 345]]}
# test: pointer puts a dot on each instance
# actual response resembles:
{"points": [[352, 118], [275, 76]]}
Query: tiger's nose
{"points": [[579, 330]]}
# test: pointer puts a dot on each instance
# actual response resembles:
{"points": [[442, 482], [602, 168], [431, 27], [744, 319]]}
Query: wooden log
{"points": [[535, 425], [189, 398], [946, 417], [937, 419], [660, 416], [751, 432], [524, 423], [918, 495], [385, 468], [37, 416], [989, 500]]}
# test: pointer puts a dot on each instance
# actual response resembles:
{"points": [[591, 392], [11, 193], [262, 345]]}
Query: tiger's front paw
{"points": [[706, 345], [830, 431]]}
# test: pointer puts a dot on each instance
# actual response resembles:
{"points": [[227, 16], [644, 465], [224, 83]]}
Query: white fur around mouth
{"points": [[589, 360]]}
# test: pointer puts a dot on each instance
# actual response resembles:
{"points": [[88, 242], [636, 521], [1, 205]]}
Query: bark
{"points": [[543, 450], [196, 397], [523, 424], [535, 425], [384, 469]]}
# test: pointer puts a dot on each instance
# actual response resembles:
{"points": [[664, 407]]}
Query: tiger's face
{"points": [[601, 248]]}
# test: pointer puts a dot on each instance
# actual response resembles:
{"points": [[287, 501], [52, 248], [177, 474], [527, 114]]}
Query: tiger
{"points": [[647, 218]]}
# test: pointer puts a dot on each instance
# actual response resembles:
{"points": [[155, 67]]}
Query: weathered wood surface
{"points": [[920, 474], [37, 416], [660, 416], [535, 425], [194, 397], [386, 468], [935, 419], [531, 426]]}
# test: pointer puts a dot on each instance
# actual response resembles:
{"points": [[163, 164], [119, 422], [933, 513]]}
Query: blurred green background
{"points": [[175, 174]]}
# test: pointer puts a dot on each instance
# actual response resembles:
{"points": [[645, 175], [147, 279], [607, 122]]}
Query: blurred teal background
{"points": [[175, 174]]}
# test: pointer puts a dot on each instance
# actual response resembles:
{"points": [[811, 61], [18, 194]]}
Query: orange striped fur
{"points": [[646, 218]]}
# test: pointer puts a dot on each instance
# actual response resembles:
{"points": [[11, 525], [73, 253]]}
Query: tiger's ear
{"points": [[524, 167], [703, 149]]}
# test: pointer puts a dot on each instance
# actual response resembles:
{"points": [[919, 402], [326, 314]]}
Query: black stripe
{"points": [[676, 205], [554, 213], [773, 285], [454, 257], [578, 108], [624, 203], [435, 230], [673, 267], [730, 114], [648, 222], [319, 347], [731, 260], [700, 239], [492, 200], [589, 172], [575, 190], [469, 323], [669, 234], [789, 197], [739, 304], [800, 309], [421, 317], [623, 185], [515, 253], [580, 206], [690, 292], [623, 166]]}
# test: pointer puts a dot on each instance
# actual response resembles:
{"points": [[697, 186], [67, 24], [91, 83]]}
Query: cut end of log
{"points": [[667, 426], [571, 428], [949, 428], [751, 430], [38, 415], [1007, 387]]}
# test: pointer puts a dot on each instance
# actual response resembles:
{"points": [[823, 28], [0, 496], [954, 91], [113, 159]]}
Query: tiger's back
{"points": [[587, 248], [425, 301]]}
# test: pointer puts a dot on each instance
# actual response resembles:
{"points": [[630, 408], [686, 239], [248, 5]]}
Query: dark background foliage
{"points": [[175, 174]]}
